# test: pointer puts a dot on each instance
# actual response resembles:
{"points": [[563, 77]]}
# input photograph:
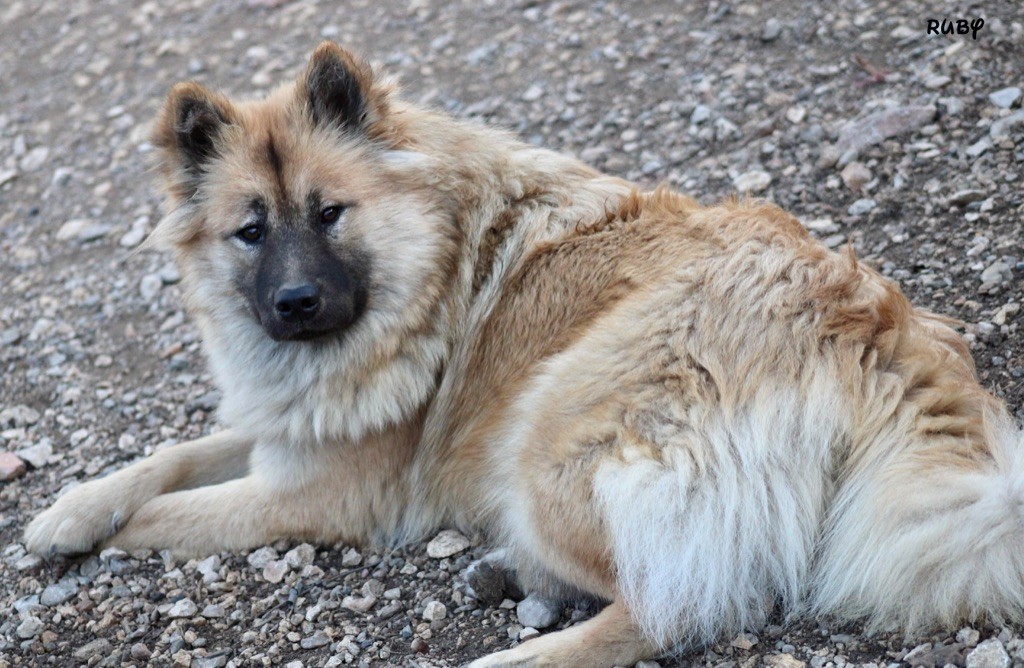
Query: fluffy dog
{"points": [[693, 413]]}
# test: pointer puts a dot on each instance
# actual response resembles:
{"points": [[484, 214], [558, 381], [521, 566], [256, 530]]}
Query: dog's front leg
{"points": [[234, 515], [95, 510]]}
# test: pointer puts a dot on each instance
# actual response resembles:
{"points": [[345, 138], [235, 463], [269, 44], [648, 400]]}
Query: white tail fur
{"points": [[754, 508]]}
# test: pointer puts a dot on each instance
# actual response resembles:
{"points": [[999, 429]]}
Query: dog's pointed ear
{"points": [[338, 89], [188, 132]]}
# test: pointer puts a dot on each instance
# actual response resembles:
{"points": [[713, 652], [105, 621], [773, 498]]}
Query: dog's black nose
{"points": [[297, 303]]}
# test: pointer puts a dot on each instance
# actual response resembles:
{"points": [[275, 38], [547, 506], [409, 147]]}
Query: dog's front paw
{"points": [[79, 520]]}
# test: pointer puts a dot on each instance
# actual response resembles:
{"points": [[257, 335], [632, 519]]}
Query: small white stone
{"points": [[434, 611], [183, 608], [1005, 97], [300, 556], [30, 627], [989, 654], [755, 180], [275, 571], [351, 557], [538, 611], [446, 544], [261, 557]]}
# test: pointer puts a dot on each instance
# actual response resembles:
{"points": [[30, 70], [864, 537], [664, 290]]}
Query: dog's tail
{"points": [[927, 537]]}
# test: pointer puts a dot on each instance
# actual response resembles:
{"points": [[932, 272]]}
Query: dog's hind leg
{"points": [[93, 511], [611, 638]]}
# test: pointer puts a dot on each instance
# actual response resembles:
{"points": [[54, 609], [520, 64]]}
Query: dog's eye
{"points": [[251, 234], [330, 214]]}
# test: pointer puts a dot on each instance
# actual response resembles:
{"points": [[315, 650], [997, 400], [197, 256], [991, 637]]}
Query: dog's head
{"points": [[298, 208]]}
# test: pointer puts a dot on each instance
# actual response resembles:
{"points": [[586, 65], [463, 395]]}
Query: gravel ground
{"points": [[908, 146]]}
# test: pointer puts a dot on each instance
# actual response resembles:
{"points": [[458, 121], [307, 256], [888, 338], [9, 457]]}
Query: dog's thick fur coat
{"points": [[693, 413]]}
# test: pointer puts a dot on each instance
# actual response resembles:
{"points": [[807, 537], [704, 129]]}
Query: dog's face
{"points": [[291, 207]]}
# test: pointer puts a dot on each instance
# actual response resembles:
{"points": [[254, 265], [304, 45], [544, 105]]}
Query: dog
{"points": [[692, 413]]}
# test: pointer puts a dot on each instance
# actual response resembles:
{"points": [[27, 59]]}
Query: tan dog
{"points": [[691, 412]]}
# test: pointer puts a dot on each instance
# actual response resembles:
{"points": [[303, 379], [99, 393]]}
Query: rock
{"points": [[995, 272], [212, 611], [446, 544], [783, 661], [261, 557], [34, 159], [37, 455], [862, 206], [855, 175], [216, 661], [149, 286], [183, 608], [30, 627], [965, 197], [315, 641], [300, 556], [1005, 97], [937, 656], [140, 652], [796, 114], [528, 632], [485, 582], [351, 557], [133, 237], [977, 148], [533, 93], [755, 180], [700, 114], [822, 226], [744, 641], [82, 230], [275, 571], [56, 594], [100, 647], [936, 81], [772, 30], [989, 654], [873, 129], [7, 175], [828, 158], [538, 611], [1004, 126], [11, 466], [19, 416], [360, 604], [209, 568], [968, 636], [434, 611]]}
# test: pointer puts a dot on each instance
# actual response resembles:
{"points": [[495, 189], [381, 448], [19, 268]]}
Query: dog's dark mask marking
{"points": [[300, 285]]}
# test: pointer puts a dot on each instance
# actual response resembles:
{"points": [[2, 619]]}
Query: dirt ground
{"points": [[99, 365]]}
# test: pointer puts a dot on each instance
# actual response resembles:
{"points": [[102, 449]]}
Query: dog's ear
{"points": [[189, 132], [338, 89]]}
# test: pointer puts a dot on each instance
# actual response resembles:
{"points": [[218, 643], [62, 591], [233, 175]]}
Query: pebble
{"points": [[772, 30], [30, 627], [82, 230], [149, 286], [11, 466], [133, 237], [37, 455], [968, 636], [100, 647], [700, 114], [753, 181], [995, 272], [1006, 125], [862, 206], [34, 159], [855, 175], [989, 654], [275, 571], [533, 93], [784, 660], [140, 652], [434, 611], [183, 608], [261, 557], [744, 641], [7, 175], [538, 611], [446, 544], [300, 556], [351, 557], [59, 592], [209, 568], [1005, 97], [315, 641]]}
